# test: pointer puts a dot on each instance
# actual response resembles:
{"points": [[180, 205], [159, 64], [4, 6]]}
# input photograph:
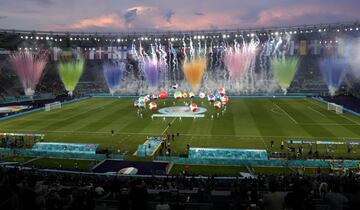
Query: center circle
{"points": [[181, 110]]}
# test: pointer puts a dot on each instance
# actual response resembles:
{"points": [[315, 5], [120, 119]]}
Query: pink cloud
{"points": [[106, 21], [292, 14], [202, 22], [143, 18]]}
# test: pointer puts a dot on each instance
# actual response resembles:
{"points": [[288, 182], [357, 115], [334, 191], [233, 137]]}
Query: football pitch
{"points": [[250, 123]]}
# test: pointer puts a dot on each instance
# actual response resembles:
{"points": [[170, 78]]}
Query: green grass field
{"points": [[247, 123]]}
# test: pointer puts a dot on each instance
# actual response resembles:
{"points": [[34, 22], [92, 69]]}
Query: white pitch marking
{"points": [[316, 111], [340, 115], [185, 134], [337, 124], [168, 126], [287, 114]]}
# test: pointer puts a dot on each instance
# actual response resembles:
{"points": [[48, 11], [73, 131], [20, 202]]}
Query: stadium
{"points": [[224, 118]]}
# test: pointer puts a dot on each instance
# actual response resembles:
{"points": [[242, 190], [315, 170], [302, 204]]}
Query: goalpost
{"points": [[54, 105], [335, 107]]}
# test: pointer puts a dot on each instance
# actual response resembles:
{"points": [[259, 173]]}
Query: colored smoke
{"points": [[194, 70], [70, 73], [113, 74], [284, 70], [333, 70], [29, 67]]}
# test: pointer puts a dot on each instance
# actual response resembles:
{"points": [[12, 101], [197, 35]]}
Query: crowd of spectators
{"points": [[28, 189]]}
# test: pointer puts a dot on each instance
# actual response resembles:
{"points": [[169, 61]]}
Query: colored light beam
{"points": [[151, 68], [284, 70], [152, 65], [29, 67], [194, 70], [113, 74], [238, 59], [333, 71], [70, 73]]}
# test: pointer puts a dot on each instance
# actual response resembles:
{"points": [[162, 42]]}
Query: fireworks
{"points": [[284, 70], [194, 71], [113, 74], [238, 59], [29, 67], [333, 71], [70, 73]]}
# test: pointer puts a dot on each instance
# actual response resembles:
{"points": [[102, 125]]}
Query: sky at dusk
{"points": [[159, 15]]}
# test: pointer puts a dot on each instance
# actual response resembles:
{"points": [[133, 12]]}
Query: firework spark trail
{"points": [[211, 55], [287, 43], [29, 67], [163, 64], [172, 54], [175, 63], [333, 71], [252, 46], [191, 51], [113, 74], [134, 51], [239, 60], [194, 71], [261, 58], [150, 69], [208, 74], [152, 66], [276, 49], [194, 66], [205, 48]]}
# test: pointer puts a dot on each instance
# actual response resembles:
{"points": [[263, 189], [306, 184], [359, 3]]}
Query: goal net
{"points": [[54, 105], [334, 107]]}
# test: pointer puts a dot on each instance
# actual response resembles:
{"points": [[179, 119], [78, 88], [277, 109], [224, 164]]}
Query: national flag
{"points": [[67, 54], [303, 47], [315, 47], [100, 53], [92, 54], [114, 53], [296, 48], [109, 53], [77, 53]]}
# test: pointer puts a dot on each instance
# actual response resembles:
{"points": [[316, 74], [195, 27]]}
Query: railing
{"points": [[266, 163], [34, 153]]}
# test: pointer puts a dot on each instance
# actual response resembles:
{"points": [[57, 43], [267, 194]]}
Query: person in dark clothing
{"points": [[299, 199], [138, 196]]}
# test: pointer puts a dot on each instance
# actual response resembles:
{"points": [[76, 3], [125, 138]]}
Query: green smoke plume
{"points": [[70, 73], [284, 70]]}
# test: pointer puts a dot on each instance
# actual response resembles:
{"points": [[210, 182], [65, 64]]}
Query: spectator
{"points": [[274, 199], [334, 199], [138, 196], [162, 205]]}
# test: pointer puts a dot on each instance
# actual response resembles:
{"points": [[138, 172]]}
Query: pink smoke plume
{"points": [[29, 67], [238, 59]]}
